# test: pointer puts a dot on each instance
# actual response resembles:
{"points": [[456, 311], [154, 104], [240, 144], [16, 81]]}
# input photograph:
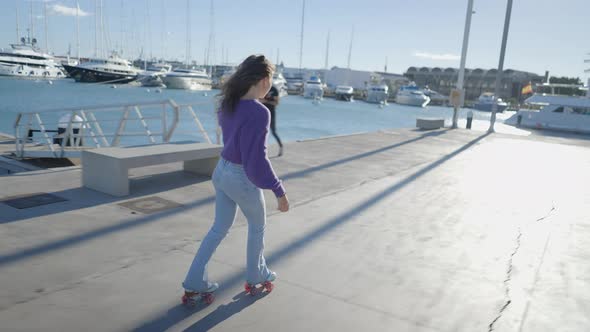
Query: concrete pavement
{"points": [[404, 230]]}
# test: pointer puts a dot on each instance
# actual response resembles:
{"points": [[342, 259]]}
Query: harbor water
{"points": [[297, 118]]}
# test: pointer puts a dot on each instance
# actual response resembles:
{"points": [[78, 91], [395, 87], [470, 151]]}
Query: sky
{"points": [[544, 34]]}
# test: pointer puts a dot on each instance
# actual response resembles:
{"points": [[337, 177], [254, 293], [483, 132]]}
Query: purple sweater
{"points": [[244, 142]]}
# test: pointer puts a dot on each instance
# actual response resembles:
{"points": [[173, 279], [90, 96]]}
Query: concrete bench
{"points": [[107, 169], [430, 123]]}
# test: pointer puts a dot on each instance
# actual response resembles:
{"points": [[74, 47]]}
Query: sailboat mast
{"points": [[210, 58], [32, 21], [78, 30], [17, 28], [350, 47], [149, 28], [327, 50], [96, 28], [46, 33], [102, 52], [188, 33], [122, 31], [164, 31], [301, 36]]}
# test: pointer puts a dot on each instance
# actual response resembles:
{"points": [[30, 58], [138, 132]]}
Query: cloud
{"points": [[445, 57], [58, 9]]}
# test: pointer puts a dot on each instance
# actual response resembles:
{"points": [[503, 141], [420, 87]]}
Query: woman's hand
{"points": [[283, 203]]}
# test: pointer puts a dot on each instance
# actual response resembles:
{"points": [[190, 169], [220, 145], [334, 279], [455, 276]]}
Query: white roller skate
{"points": [[253, 289], [191, 297]]}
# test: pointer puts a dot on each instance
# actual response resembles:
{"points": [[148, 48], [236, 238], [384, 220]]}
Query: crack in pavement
{"points": [[548, 213], [506, 282], [509, 271]]}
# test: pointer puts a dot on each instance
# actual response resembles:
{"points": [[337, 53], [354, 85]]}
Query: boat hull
{"points": [[24, 71], [343, 96], [412, 101], [574, 123], [187, 83], [85, 75], [313, 93]]}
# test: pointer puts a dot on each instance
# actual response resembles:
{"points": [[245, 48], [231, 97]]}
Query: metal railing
{"points": [[80, 128]]}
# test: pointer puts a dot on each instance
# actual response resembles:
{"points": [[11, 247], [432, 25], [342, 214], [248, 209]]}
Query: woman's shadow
{"points": [[220, 314], [225, 311]]}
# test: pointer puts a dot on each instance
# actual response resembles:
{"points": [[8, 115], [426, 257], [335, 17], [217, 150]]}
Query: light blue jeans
{"points": [[232, 189]]}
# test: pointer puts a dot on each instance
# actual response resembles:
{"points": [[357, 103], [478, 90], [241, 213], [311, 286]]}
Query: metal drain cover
{"points": [[150, 205], [32, 200]]}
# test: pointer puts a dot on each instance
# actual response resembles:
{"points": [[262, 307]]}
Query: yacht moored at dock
{"points": [[27, 61], [152, 76], [411, 95], [485, 102], [188, 79], [561, 113], [114, 70], [313, 88], [344, 92], [378, 93]]}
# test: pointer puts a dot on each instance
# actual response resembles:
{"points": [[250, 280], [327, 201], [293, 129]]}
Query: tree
{"points": [[565, 80], [570, 91]]}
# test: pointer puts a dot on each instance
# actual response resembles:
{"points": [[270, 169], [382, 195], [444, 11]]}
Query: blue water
{"points": [[297, 118]]}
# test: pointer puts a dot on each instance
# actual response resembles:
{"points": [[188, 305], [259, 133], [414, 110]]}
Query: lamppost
{"points": [[500, 66], [463, 58]]}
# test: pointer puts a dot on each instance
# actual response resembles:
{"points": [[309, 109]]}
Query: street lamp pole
{"points": [[463, 58], [500, 66]]}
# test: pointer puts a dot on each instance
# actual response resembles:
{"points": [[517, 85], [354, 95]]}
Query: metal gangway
{"points": [[105, 126]]}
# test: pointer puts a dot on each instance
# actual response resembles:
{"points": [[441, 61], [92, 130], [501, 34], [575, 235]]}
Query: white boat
{"points": [[563, 113], [411, 95], [435, 97], [294, 83], [187, 79], [26, 60], [485, 103], [114, 70], [280, 83], [152, 76], [344, 92], [377, 93], [313, 88]]}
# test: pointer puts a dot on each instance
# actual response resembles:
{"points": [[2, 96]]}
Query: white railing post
{"points": [[98, 128], [121, 127], [201, 129], [17, 136], [79, 119], [91, 131], [175, 112], [145, 126], [164, 124], [47, 138]]}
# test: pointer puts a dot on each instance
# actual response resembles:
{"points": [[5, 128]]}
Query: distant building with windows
{"points": [[476, 81]]}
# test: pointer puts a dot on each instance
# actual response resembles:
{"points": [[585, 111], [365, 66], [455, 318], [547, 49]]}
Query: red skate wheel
{"points": [[209, 298], [253, 290], [188, 301], [269, 286]]}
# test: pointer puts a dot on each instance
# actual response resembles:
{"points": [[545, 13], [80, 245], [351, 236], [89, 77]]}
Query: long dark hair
{"points": [[249, 72]]}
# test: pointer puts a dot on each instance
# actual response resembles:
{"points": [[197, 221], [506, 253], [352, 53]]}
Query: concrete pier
{"points": [[402, 230]]}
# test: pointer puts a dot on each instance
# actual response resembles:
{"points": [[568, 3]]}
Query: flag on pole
{"points": [[527, 89]]}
